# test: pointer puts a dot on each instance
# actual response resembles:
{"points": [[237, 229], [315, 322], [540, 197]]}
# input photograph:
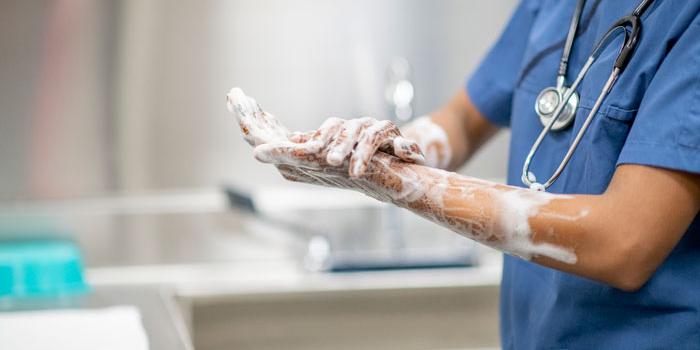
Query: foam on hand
{"points": [[448, 199], [258, 127], [374, 158], [432, 140]]}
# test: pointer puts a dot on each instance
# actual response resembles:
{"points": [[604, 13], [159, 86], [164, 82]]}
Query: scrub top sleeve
{"points": [[666, 130], [491, 86]]}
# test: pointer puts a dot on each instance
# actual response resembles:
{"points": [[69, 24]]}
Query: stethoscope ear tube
{"points": [[631, 40]]}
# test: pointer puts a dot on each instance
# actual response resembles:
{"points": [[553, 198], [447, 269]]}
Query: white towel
{"points": [[113, 328]]}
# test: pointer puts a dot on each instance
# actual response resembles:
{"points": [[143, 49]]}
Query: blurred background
{"points": [[114, 136]]}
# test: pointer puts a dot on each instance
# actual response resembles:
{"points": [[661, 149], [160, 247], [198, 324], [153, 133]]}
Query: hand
{"points": [[343, 154], [258, 127], [339, 154], [339, 140], [334, 143], [432, 140]]}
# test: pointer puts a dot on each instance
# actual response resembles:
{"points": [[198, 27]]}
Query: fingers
{"points": [[237, 103], [370, 141], [306, 153], [343, 144], [289, 153], [408, 150], [258, 126], [301, 137], [339, 138], [384, 136], [323, 136], [334, 142]]}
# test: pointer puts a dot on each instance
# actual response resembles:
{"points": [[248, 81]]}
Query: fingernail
{"points": [[418, 158]]}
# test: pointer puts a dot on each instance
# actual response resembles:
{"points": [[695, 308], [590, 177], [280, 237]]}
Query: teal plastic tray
{"points": [[40, 268]]}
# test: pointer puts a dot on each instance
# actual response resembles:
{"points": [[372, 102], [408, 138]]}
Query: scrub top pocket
{"points": [[602, 144]]}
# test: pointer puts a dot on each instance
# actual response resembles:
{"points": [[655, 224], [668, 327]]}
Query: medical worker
{"points": [[606, 255]]}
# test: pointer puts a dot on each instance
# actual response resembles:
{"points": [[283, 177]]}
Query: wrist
{"points": [[391, 180]]}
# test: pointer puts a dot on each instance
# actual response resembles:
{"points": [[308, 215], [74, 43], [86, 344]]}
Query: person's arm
{"points": [[623, 235], [450, 135], [618, 238]]}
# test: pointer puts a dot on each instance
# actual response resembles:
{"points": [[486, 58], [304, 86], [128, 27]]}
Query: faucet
{"points": [[399, 90], [399, 96]]}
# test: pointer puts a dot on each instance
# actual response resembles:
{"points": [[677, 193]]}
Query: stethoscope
{"points": [[556, 106]]}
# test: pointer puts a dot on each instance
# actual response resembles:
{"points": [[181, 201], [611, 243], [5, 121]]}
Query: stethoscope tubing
{"points": [[530, 179]]}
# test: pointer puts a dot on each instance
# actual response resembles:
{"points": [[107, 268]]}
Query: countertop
{"points": [[282, 276]]}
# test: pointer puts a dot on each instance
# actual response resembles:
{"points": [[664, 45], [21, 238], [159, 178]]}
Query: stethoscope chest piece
{"points": [[547, 102], [556, 106]]}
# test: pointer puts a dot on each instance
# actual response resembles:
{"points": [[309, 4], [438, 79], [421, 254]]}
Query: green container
{"points": [[40, 268]]}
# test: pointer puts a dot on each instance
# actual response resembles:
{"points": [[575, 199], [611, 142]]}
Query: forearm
{"points": [[572, 233], [490, 213], [551, 229], [557, 231], [619, 237]]}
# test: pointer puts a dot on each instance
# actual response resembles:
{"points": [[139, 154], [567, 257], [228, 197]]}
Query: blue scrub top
{"points": [[651, 117]]}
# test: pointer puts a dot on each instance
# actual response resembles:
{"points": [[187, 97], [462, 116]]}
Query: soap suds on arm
{"points": [[493, 214]]}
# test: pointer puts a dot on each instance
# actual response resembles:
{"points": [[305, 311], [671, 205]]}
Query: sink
{"points": [[242, 282]]}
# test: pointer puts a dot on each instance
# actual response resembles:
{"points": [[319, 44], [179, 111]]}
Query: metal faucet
{"points": [[399, 96], [399, 91]]}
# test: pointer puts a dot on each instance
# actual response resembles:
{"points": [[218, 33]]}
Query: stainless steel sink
{"points": [[244, 284]]}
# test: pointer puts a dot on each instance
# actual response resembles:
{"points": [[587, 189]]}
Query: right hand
{"points": [[356, 141], [432, 140]]}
